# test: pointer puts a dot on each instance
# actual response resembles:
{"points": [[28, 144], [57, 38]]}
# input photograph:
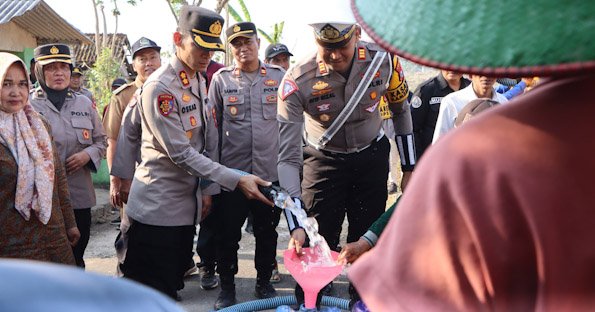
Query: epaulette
{"points": [[371, 46], [122, 87], [304, 66]]}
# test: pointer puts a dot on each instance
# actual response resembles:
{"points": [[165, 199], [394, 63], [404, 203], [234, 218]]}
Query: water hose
{"points": [[271, 303]]}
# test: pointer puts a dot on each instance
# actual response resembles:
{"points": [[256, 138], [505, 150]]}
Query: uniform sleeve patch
{"points": [[165, 103], [416, 102], [289, 87]]}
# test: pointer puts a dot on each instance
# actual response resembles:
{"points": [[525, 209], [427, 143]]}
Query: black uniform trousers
{"points": [[231, 209], [158, 256], [337, 184], [205, 246], [83, 223]]}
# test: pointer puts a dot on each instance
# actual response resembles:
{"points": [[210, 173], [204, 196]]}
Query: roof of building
{"points": [[87, 54], [38, 18]]}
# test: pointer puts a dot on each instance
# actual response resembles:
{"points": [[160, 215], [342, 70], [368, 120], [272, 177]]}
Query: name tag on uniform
{"points": [[435, 100]]}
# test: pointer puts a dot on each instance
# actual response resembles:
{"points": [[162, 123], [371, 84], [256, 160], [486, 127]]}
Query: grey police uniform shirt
{"points": [[129, 141], [86, 92], [247, 118], [177, 130], [76, 127], [312, 95]]}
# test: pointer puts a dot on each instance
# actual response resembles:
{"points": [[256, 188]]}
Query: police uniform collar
{"points": [[237, 72], [442, 83], [39, 93], [137, 83]]}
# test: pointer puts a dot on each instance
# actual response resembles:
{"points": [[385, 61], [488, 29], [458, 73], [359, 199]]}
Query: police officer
{"points": [[178, 129], [76, 129], [145, 60], [245, 98], [278, 54], [425, 105], [77, 81], [344, 172]]}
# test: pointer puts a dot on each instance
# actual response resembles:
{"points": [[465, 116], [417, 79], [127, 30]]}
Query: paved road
{"points": [[100, 258]]}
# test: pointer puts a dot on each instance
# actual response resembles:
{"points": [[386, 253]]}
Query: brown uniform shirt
{"points": [[120, 99]]}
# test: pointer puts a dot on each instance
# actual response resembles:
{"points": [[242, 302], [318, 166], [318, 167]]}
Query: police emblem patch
{"points": [[86, 134], [289, 87], [232, 99], [216, 28], [271, 82], [186, 97], [233, 110], [165, 104], [192, 121], [271, 98], [54, 50], [324, 117], [416, 102]]}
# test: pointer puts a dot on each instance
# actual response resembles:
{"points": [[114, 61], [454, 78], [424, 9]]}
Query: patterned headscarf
{"points": [[29, 142]]}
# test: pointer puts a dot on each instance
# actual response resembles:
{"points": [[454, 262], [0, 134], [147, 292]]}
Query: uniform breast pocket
{"points": [[84, 130], [234, 106], [269, 106], [369, 104], [191, 121]]}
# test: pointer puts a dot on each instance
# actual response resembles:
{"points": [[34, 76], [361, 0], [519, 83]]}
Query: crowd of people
{"points": [[189, 142]]}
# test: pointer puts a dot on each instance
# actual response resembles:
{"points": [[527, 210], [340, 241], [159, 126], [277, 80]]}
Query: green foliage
{"points": [[100, 77], [234, 14], [245, 10]]}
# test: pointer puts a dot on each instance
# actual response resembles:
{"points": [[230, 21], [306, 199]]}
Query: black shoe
{"points": [[265, 290], [226, 298], [208, 280]]}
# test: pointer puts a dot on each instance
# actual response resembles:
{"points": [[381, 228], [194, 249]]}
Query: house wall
{"points": [[15, 39]]}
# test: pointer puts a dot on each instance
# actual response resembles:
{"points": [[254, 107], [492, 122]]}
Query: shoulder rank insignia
{"points": [[263, 71], [165, 103], [184, 78], [322, 68], [361, 53], [289, 87]]}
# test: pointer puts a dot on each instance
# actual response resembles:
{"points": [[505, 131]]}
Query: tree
{"points": [[101, 76]]}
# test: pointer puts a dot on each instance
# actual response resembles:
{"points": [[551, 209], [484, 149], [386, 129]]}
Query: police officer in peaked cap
{"points": [[76, 130], [345, 162], [178, 172]]}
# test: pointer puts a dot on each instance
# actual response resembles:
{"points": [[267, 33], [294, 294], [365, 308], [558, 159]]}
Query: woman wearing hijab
{"points": [[36, 218], [77, 131]]}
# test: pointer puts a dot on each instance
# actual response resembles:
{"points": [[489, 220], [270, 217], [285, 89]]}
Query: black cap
{"points": [[276, 49], [205, 26], [242, 29], [144, 43], [78, 70], [333, 35], [118, 83], [49, 53]]}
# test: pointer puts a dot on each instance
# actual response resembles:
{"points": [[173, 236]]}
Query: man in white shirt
{"points": [[480, 87]]}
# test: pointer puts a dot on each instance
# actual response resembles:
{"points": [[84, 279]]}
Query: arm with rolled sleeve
{"points": [[96, 150], [170, 135]]}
